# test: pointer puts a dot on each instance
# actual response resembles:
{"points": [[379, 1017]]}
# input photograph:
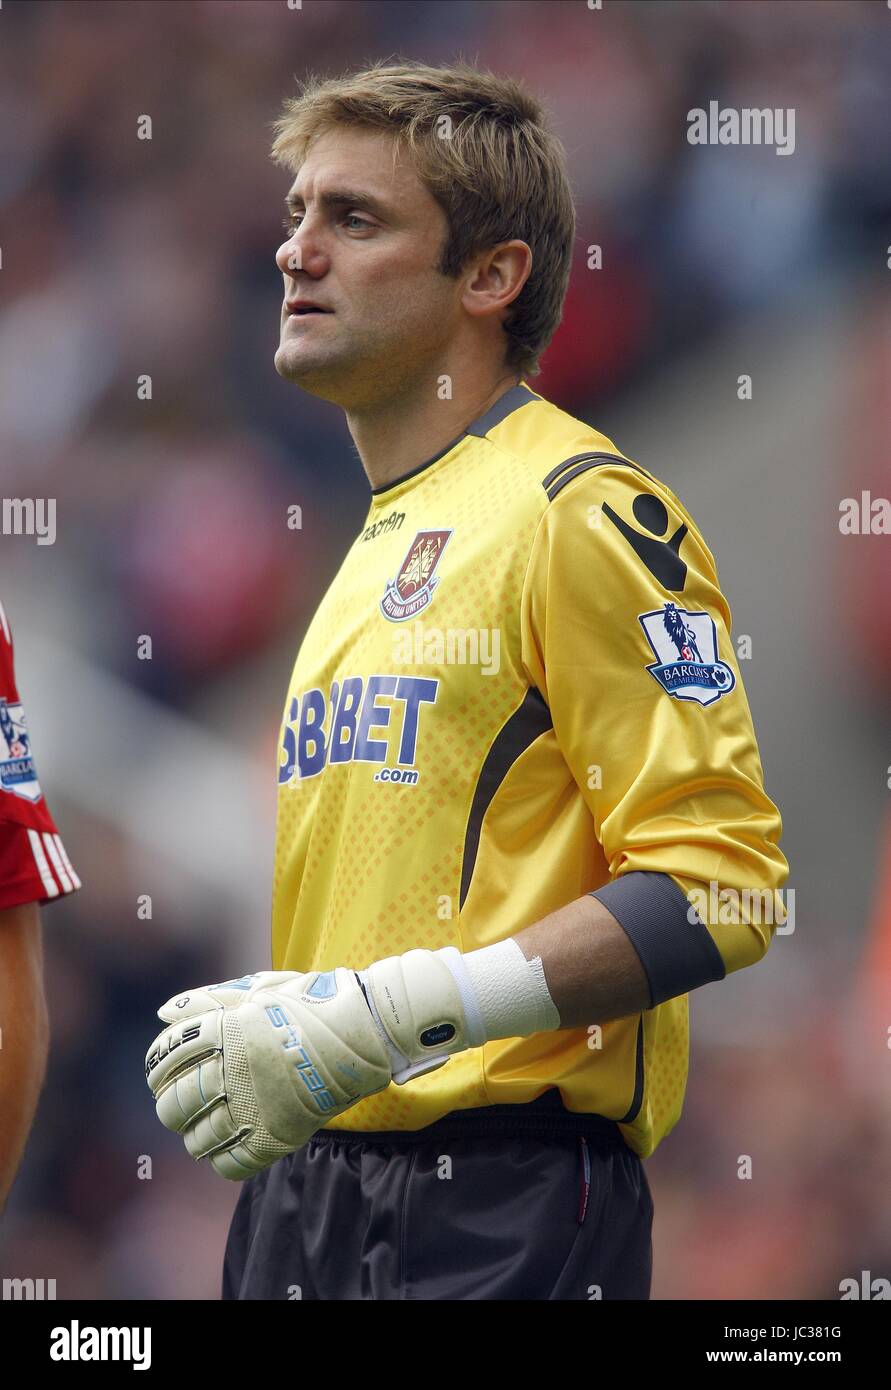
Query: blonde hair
{"points": [[482, 149]]}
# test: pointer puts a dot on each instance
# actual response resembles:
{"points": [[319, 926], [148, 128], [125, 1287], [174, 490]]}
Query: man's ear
{"points": [[496, 278]]}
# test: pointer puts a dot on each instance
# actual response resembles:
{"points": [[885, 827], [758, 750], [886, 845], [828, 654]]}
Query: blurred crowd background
{"points": [[123, 257]]}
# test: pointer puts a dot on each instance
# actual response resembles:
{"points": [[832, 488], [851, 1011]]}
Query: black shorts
{"points": [[505, 1202]]}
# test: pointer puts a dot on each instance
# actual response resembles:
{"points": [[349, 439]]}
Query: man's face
{"points": [[366, 241]]}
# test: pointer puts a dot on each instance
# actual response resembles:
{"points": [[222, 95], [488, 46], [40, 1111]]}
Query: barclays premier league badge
{"points": [[17, 771], [686, 647], [412, 589]]}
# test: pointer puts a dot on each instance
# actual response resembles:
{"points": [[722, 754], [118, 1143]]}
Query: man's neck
{"points": [[393, 439]]}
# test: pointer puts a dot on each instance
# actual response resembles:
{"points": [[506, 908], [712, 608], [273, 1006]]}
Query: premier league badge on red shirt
{"points": [[412, 589], [17, 771]]}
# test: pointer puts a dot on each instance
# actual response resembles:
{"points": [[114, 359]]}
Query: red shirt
{"points": [[34, 865]]}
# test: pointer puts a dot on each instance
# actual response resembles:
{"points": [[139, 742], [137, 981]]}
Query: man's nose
{"points": [[302, 251], [289, 256]]}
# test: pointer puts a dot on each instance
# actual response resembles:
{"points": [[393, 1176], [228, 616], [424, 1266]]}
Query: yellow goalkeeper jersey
{"points": [[520, 688]]}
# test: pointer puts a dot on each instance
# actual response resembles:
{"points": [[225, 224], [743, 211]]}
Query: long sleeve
{"points": [[626, 634]]}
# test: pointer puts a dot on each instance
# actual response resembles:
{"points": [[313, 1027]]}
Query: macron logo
{"points": [[76, 1343]]}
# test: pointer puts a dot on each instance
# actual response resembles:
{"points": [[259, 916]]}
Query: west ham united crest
{"points": [[686, 645], [412, 589]]}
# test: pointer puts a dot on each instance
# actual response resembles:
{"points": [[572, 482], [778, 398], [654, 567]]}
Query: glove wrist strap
{"points": [[427, 1005]]}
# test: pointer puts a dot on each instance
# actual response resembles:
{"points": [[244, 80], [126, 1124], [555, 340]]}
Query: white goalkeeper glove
{"points": [[248, 1070]]}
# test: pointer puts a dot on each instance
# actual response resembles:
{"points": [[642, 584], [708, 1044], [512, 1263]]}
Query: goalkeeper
{"points": [[516, 767]]}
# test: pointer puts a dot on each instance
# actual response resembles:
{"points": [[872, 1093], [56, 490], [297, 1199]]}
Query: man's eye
{"points": [[292, 221]]}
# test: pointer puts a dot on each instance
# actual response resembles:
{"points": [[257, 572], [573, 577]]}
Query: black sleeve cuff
{"points": [[675, 949]]}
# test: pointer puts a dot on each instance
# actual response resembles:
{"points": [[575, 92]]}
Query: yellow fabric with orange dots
{"points": [[472, 739]]}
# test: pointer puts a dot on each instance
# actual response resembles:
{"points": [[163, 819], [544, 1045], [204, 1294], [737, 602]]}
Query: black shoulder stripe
{"points": [[512, 399], [580, 463], [527, 722]]}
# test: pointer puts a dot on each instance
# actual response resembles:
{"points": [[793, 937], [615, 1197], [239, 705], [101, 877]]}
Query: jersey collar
{"points": [[510, 400]]}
